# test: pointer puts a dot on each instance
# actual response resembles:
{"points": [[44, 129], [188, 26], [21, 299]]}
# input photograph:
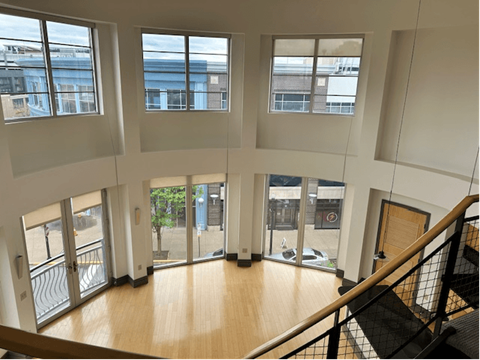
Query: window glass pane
{"points": [[73, 77], [208, 100], [341, 86], [292, 102], [322, 223], [282, 219], [208, 221], [168, 43], [39, 104], [152, 99], [292, 47], [339, 47], [70, 57], [16, 53], [156, 61], [338, 66], [176, 100], [16, 27], [48, 272], [334, 104], [68, 34], [90, 248], [293, 65], [208, 63], [23, 68], [169, 236], [208, 45], [164, 72]]}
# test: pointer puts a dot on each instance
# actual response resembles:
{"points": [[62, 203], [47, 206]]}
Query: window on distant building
{"points": [[315, 75], [224, 101], [185, 72], [60, 69], [292, 102]]}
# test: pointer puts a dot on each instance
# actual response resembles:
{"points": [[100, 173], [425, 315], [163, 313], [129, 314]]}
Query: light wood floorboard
{"points": [[207, 310]]}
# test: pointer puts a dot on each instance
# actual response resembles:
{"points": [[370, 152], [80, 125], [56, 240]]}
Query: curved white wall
{"points": [[45, 161]]}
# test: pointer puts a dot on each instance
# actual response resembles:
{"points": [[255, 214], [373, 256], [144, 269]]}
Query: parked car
{"points": [[310, 256], [83, 220], [218, 252]]}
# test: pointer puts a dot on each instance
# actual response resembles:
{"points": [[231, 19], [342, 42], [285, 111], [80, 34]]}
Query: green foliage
{"points": [[167, 205]]}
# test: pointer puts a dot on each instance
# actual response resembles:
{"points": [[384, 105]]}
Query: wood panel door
{"points": [[400, 226]]}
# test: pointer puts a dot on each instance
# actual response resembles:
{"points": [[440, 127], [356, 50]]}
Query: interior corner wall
{"points": [[117, 233]]}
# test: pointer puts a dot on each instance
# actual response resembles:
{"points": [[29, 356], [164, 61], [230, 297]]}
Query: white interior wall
{"points": [[50, 160]]}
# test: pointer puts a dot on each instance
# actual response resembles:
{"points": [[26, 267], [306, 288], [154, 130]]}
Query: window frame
{"points": [[188, 92], [51, 91], [314, 75]]}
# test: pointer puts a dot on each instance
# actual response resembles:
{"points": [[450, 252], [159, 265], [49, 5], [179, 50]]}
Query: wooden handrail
{"points": [[371, 281], [46, 347]]}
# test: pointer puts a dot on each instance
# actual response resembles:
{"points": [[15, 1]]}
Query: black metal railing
{"points": [[402, 319]]}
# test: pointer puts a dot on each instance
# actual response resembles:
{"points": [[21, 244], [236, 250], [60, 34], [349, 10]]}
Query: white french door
{"points": [[67, 246]]}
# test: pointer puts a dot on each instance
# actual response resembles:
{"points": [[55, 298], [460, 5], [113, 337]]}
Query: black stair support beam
{"points": [[334, 338], [446, 280]]}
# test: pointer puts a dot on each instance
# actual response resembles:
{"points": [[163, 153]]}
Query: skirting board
{"points": [[244, 263], [231, 257], [137, 282], [257, 257], [150, 270], [120, 281], [340, 273], [346, 282]]}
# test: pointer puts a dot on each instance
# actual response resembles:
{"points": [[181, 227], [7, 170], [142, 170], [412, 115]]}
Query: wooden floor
{"points": [[208, 310]]}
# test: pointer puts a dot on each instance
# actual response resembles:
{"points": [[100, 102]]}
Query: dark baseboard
{"points": [[231, 257], [150, 270], [137, 282], [256, 257], [340, 273], [244, 263], [120, 281], [346, 282]]}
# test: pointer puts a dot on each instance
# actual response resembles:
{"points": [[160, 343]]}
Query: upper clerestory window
{"points": [[185, 72], [47, 68], [315, 75]]}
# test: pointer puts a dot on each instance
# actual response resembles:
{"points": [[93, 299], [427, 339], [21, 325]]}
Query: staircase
{"points": [[438, 319]]}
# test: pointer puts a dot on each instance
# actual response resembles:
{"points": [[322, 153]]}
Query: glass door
{"points": [[66, 246], [48, 261], [89, 259], [303, 221]]}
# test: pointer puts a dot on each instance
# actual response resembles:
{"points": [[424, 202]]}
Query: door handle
{"points": [[75, 266], [69, 267]]}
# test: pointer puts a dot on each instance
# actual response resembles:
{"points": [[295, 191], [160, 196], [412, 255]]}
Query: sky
{"points": [[200, 47], [29, 29]]}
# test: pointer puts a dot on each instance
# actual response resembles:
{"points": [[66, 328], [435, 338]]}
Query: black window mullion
{"points": [[314, 77], [187, 73], [48, 63]]}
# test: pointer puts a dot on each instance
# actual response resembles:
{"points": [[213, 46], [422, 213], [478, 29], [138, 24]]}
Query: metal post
{"points": [[47, 244], [334, 338], [446, 280], [272, 215]]}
